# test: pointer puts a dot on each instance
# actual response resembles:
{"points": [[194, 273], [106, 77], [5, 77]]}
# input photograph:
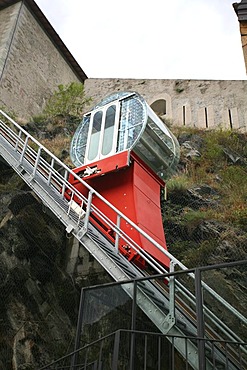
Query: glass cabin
{"points": [[124, 121]]}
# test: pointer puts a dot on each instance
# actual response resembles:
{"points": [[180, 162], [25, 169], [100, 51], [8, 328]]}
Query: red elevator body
{"points": [[134, 189]]}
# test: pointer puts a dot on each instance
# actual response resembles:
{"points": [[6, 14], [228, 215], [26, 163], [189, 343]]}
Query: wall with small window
{"points": [[206, 104]]}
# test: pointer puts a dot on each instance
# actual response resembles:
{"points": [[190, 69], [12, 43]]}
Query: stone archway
{"points": [[159, 107], [162, 105]]}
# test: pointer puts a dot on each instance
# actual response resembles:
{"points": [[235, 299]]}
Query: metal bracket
{"points": [[69, 229], [81, 232], [169, 322]]}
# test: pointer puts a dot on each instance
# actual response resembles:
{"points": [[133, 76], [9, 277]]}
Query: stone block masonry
{"points": [[206, 104], [33, 64], [8, 18], [32, 67]]}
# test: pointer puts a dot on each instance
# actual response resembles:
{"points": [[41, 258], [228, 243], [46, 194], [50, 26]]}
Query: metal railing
{"points": [[36, 165], [132, 349], [106, 298]]}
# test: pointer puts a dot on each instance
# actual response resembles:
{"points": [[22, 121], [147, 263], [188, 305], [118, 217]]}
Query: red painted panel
{"points": [[135, 191], [148, 212], [109, 164]]}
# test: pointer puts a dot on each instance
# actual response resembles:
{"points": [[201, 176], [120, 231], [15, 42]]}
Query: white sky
{"points": [[165, 39]]}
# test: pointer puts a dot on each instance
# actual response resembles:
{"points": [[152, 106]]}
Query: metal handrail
{"points": [[60, 182], [118, 332]]}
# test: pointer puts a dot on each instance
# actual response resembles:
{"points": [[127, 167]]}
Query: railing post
{"points": [[17, 141], [170, 318], [64, 184], [88, 210], [116, 350], [71, 199], [73, 365], [51, 169], [37, 161], [133, 327], [24, 149], [133, 317], [200, 320], [83, 230], [172, 292], [117, 232]]}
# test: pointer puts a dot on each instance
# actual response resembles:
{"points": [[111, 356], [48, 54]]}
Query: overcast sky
{"points": [[166, 39]]}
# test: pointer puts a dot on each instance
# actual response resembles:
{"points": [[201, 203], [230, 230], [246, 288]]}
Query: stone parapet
{"points": [[207, 104]]}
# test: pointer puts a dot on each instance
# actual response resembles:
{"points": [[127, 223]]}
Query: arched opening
{"points": [[159, 107]]}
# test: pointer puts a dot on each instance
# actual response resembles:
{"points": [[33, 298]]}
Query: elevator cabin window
{"points": [[102, 133], [108, 130]]}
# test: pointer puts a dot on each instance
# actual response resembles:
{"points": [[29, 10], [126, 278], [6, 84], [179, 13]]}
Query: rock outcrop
{"points": [[41, 273]]}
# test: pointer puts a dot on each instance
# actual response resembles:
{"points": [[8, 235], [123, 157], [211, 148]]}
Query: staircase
{"points": [[47, 176]]}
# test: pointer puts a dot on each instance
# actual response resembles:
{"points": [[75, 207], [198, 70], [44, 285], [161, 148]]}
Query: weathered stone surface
{"points": [[27, 79], [39, 296], [204, 104], [233, 157], [194, 197]]}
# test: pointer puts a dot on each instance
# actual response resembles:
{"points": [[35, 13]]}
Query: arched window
{"points": [[109, 130], [159, 107]]}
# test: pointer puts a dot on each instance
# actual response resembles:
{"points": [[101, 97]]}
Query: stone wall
{"points": [[31, 68], [193, 103], [8, 18], [34, 66], [243, 32]]}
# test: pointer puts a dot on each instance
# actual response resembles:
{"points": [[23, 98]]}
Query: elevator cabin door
{"points": [[103, 132]]}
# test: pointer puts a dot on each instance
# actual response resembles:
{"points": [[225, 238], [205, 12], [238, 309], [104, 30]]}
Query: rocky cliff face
{"points": [[40, 279], [205, 214]]}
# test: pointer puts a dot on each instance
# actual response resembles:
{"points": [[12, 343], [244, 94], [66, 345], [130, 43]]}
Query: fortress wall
{"points": [[193, 103], [31, 68], [7, 25], [34, 66]]}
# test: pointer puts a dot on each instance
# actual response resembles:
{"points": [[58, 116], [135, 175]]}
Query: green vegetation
{"points": [[208, 198], [179, 183], [178, 87], [68, 101], [222, 164], [57, 123], [197, 256], [179, 90], [194, 222], [10, 113]]}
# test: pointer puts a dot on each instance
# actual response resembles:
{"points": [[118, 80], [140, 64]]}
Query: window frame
{"points": [[99, 154]]}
